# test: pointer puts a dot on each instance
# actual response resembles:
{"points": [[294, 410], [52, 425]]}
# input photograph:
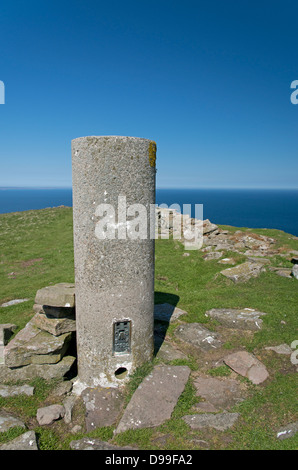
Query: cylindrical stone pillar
{"points": [[114, 255]]}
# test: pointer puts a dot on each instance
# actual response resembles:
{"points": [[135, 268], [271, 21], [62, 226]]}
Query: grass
{"points": [[36, 250]]}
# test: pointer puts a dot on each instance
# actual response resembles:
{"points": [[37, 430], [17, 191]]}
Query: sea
{"points": [[253, 208]]}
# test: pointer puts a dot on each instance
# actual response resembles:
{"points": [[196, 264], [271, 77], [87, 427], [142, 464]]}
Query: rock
{"points": [[294, 271], [33, 346], [248, 366], [49, 414], [196, 335], [244, 319], [54, 326], [294, 260], [281, 349], [167, 352], [213, 255], [220, 421], [243, 272], [284, 272], [6, 331], [59, 295], [45, 371], [55, 312], [26, 441], [227, 261], [13, 390], [218, 393], [103, 406], [208, 227], [255, 259], [287, 431], [8, 421], [154, 400], [14, 302], [167, 312], [88, 443], [63, 388], [68, 404]]}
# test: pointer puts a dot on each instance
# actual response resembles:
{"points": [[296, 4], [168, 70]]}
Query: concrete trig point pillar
{"points": [[114, 275]]}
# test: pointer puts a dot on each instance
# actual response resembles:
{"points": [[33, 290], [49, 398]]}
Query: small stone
{"points": [[26, 441], [227, 261], [49, 414], [280, 349], [14, 302], [213, 255], [247, 365], [287, 431], [220, 421]]}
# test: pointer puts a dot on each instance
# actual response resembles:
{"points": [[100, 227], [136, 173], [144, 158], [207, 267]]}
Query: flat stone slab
{"points": [[227, 261], [248, 366], [167, 312], [26, 441], [219, 394], [280, 349], [244, 319], [54, 326], [243, 272], [13, 390], [33, 346], [59, 295], [213, 255], [219, 421], [194, 334], [8, 421], [14, 302], [45, 371], [287, 431], [88, 443], [103, 406], [154, 400], [167, 352]]}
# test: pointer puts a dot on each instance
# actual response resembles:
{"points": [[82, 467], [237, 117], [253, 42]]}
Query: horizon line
{"points": [[3, 188]]}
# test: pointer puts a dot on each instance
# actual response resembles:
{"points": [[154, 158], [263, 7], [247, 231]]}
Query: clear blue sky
{"points": [[209, 81]]}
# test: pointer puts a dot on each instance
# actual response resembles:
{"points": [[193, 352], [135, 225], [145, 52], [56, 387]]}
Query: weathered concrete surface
{"points": [[114, 277], [220, 421], [154, 400], [26, 441], [194, 334], [248, 366], [244, 319], [167, 312], [103, 406]]}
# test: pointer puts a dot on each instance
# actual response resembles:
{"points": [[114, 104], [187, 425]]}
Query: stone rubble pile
{"points": [[39, 349]]}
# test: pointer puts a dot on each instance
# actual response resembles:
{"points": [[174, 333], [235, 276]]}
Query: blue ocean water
{"points": [[238, 207]]}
